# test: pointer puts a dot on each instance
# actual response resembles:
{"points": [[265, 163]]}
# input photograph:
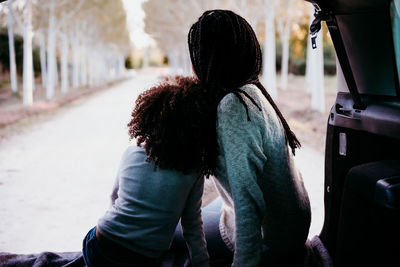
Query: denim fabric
{"points": [[220, 255], [96, 256], [88, 242]]}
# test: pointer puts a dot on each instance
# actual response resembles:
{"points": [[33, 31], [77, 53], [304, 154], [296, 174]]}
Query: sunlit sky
{"points": [[136, 24]]}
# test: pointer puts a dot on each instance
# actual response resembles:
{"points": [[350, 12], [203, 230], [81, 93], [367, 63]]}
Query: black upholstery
{"points": [[369, 228]]}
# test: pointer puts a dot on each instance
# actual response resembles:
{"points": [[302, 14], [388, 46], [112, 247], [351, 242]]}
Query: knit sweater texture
{"points": [[266, 211]]}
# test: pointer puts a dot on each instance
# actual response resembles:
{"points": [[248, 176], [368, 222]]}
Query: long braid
{"points": [[243, 103], [290, 136]]}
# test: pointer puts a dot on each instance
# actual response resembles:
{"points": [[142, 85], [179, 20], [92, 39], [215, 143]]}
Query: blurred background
{"points": [[70, 71]]}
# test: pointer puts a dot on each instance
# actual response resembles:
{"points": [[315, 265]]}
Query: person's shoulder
{"points": [[256, 94], [228, 102], [133, 151], [253, 91], [231, 111], [231, 105], [249, 88], [134, 148]]}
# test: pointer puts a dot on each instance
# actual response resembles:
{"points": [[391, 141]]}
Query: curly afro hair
{"points": [[175, 123]]}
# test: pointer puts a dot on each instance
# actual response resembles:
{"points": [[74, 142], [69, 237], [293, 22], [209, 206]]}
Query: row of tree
{"points": [[168, 22], [87, 39]]}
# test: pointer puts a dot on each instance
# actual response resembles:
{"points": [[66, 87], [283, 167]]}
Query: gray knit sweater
{"points": [[266, 208]]}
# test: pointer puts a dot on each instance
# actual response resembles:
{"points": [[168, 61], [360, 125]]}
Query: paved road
{"points": [[56, 176]]}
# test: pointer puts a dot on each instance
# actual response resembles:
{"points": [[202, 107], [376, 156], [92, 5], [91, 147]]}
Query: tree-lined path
{"points": [[56, 176]]}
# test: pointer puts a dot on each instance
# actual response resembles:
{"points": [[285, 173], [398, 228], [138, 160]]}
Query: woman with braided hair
{"points": [[266, 211]]}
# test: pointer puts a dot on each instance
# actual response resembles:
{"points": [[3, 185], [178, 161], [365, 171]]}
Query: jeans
{"points": [[95, 254], [220, 254], [110, 254]]}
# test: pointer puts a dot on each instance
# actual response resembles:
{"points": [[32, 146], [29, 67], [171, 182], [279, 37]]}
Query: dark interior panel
{"points": [[369, 43], [369, 221], [365, 30], [361, 147], [346, 6], [362, 210], [381, 115]]}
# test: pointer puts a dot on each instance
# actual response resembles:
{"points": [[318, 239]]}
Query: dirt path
{"points": [[56, 174]]}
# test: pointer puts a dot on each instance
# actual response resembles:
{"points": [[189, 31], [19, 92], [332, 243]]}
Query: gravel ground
{"points": [[56, 174]]}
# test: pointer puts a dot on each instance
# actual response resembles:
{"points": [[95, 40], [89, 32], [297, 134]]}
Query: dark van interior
{"points": [[362, 156]]}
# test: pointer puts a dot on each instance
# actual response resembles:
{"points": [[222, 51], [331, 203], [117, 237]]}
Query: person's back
{"points": [[149, 205], [159, 181], [255, 168]]}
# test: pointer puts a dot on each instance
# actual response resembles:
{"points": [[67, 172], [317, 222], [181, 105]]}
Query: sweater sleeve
{"points": [[114, 193], [192, 226], [240, 144]]}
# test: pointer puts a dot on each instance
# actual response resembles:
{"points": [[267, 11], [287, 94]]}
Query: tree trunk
{"points": [[315, 71], [91, 70], [285, 57], [173, 61], [121, 64], [64, 64], [269, 64], [28, 61], [56, 79], [109, 70], [51, 53], [116, 66], [83, 68], [13, 66], [43, 67], [309, 67], [309, 64], [105, 71], [146, 56], [317, 79], [75, 69], [188, 64], [97, 66], [182, 60]]}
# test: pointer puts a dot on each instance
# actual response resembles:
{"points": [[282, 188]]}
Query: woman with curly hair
{"points": [[266, 211], [160, 180]]}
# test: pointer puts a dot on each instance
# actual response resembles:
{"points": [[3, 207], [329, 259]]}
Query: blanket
{"points": [[316, 256], [67, 259]]}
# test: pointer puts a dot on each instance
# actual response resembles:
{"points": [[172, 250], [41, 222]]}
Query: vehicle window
{"points": [[396, 31]]}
